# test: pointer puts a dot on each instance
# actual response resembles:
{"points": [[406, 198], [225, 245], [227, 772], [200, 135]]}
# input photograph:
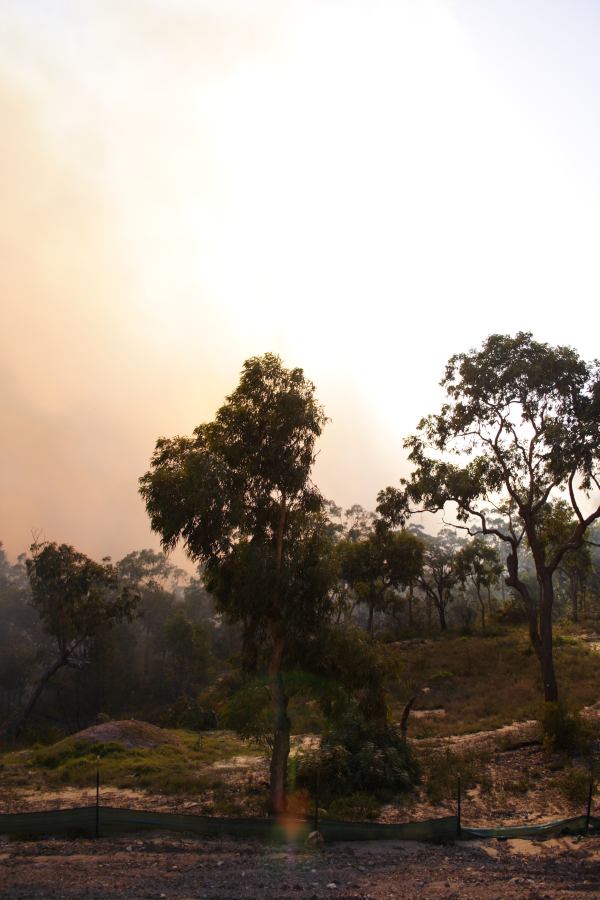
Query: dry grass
{"points": [[486, 682]]}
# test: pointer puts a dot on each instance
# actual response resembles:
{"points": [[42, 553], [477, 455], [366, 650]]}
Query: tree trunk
{"points": [[574, 598], [281, 736], [482, 605], [440, 606], [279, 699], [410, 607], [370, 623], [540, 624], [546, 655], [18, 726]]}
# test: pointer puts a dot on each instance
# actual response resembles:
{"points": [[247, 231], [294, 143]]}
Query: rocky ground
{"points": [[522, 788], [165, 867]]}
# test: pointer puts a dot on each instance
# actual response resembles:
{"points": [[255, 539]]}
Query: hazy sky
{"points": [[362, 186]]}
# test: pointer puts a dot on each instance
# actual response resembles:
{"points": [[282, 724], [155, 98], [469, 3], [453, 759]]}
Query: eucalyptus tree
{"points": [[378, 565], [74, 597], [521, 424], [478, 564], [238, 495], [576, 565], [439, 574]]}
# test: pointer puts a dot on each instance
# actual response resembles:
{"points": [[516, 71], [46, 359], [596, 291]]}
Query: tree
{"points": [[477, 563], [74, 597], [150, 575], [380, 564], [558, 523], [238, 494], [525, 418], [439, 574]]}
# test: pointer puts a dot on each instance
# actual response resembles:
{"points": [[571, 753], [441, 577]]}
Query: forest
{"points": [[357, 626]]}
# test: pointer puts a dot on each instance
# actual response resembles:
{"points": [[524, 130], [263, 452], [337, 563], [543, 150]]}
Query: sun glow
{"points": [[357, 186]]}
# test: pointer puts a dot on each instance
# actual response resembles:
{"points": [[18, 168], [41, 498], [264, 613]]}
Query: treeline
{"points": [[512, 456], [140, 638], [85, 640]]}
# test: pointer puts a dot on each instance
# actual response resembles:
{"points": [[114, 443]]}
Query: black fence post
{"points": [[458, 799], [317, 786], [589, 804], [97, 796]]}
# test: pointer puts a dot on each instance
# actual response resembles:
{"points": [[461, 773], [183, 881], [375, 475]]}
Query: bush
{"points": [[575, 784], [444, 769], [354, 759], [562, 730], [355, 808]]}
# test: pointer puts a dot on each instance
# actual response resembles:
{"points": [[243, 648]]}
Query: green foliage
{"points": [[521, 420], [176, 767], [574, 784], [249, 713], [356, 807], [378, 564], [562, 729], [353, 758], [74, 595], [442, 770], [229, 478]]}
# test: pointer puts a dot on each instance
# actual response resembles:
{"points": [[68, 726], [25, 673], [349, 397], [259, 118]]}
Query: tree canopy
{"points": [[523, 419], [238, 494]]}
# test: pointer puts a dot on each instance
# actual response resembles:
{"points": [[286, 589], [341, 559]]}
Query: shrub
{"points": [[354, 759], [563, 730], [575, 784], [355, 807], [443, 770]]}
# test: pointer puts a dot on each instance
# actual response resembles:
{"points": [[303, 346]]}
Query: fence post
{"points": [[589, 804], [458, 798], [317, 786], [97, 796]]}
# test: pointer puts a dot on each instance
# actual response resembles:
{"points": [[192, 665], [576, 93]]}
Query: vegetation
{"points": [[523, 418], [353, 758], [238, 494], [354, 625]]}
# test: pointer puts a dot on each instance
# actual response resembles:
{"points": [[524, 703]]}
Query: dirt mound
{"points": [[127, 732]]}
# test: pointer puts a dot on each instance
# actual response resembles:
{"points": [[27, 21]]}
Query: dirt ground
{"points": [[167, 866], [162, 866]]}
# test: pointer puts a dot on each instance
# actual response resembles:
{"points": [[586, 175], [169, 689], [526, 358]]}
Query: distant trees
{"points": [[558, 523], [523, 420], [378, 565], [238, 494], [74, 597], [477, 563], [439, 575]]}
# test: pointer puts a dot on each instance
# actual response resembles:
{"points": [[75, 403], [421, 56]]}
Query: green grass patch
{"points": [[179, 766]]}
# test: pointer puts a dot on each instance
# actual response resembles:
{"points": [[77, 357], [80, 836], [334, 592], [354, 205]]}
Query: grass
{"points": [[441, 771], [176, 767], [486, 682], [574, 784]]}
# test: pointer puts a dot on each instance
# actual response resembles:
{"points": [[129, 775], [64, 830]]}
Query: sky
{"points": [[364, 187]]}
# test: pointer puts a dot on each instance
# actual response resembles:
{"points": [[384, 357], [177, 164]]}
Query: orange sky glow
{"points": [[364, 188]]}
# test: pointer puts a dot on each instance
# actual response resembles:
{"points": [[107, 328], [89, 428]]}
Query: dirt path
{"points": [[163, 867]]}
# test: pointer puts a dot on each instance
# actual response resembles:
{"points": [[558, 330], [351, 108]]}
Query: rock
{"points": [[315, 839]]}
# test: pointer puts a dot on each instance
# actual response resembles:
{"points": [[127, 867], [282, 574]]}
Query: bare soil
{"points": [[165, 867], [521, 789]]}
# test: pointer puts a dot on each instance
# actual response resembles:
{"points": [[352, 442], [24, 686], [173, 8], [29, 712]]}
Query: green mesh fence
{"points": [[89, 821]]}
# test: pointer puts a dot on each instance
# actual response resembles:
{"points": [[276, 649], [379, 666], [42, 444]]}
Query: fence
{"points": [[100, 821]]}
